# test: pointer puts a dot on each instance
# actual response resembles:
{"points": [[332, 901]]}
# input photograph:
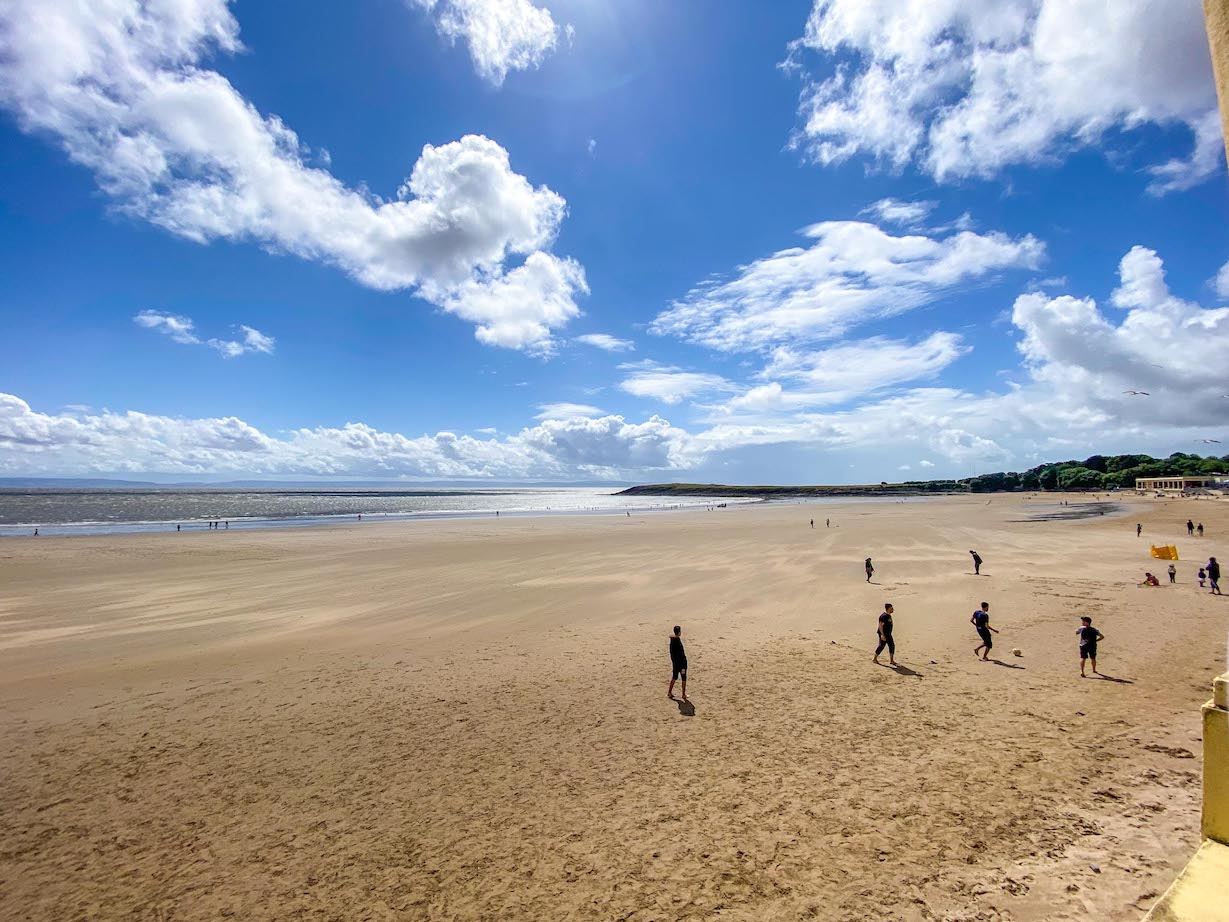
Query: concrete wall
{"points": [[1216, 12]]}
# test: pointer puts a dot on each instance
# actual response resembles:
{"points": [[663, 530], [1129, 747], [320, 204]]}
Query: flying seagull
{"points": [[1210, 441], [1138, 393]]}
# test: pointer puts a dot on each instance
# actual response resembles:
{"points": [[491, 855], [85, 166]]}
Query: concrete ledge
{"points": [[1199, 894]]}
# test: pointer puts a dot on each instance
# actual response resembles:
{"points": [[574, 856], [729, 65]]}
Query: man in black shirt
{"points": [[981, 621], [884, 633], [1213, 569], [1089, 637], [678, 663], [976, 563]]}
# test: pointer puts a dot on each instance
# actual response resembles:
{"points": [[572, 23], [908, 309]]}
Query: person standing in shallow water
{"points": [[678, 663], [870, 569], [884, 633]]}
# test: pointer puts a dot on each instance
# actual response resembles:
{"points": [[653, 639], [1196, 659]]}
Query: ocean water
{"points": [[56, 511]]}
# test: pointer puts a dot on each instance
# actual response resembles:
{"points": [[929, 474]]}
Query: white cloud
{"points": [[37, 443], [122, 86], [1222, 281], [592, 147], [668, 383], [566, 411], [926, 464], [852, 272], [863, 366], [903, 214], [606, 342], [502, 35], [968, 87], [183, 330]]}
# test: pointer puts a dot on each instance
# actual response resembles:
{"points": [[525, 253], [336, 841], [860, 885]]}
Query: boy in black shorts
{"points": [[1089, 637], [981, 621], [678, 663]]}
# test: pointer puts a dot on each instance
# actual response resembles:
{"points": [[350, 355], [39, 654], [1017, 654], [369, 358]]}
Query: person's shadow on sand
{"points": [[1110, 678], [686, 708], [904, 670], [999, 662]]}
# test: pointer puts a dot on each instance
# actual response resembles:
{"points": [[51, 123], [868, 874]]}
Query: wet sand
{"points": [[467, 720]]}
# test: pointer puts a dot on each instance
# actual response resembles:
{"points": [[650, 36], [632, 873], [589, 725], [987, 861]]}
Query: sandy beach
{"points": [[467, 720]]}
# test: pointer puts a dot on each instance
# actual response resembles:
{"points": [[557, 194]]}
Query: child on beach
{"points": [[884, 633], [870, 570], [1173, 573], [981, 621], [1089, 637], [1150, 580], [1203, 577]]}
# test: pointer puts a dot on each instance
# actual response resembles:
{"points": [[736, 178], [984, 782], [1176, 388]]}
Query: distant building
{"points": [[1177, 483]]}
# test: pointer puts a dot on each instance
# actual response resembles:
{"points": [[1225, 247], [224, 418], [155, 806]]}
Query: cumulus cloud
{"points": [[606, 342], [968, 87], [668, 383], [32, 442], [1222, 281], [851, 273], [183, 330], [122, 86], [501, 35]]}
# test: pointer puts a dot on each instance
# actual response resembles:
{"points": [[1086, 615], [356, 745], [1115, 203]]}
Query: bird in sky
{"points": [[1138, 393], [1210, 441]]}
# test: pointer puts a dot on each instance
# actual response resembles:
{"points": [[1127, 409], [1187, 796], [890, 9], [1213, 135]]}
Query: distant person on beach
{"points": [[976, 563], [1213, 569], [1190, 527], [228, 524], [678, 662], [177, 528], [981, 621], [1200, 529], [827, 523], [1150, 580], [1173, 573], [884, 633], [1089, 638], [812, 523], [870, 570], [1203, 578], [36, 532], [1139, 530]]}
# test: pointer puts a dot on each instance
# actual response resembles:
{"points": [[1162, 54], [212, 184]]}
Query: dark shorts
{"points": [[1088, 651], [680, 669], [984, 634]]}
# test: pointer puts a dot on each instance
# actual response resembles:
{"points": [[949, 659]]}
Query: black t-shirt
{"points": [[976, 559], [1088, 636], [885, 622], [676, 650], [1214, 571], [981, 619]]}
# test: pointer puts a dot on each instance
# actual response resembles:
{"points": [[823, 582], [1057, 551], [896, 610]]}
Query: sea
{"points": [[99, 511]]}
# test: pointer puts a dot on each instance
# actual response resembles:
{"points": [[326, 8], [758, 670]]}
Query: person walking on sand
{"points": [[1213, 569], [870, 570], [1203, 578], [1200, 529], [884, 633], [812, 523], [981, 621], [1190, 527], [1089, 638], [827, 523], [1139, 530], [678, 663], [976, 563], [1173, 573]]}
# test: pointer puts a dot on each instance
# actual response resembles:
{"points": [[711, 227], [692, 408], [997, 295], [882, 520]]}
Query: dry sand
{"points": [[467, 720]]}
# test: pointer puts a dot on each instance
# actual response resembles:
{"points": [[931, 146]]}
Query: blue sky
{"points": [[840, 241]]}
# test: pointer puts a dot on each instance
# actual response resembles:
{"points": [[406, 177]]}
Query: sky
{"points": [[839, 241]]}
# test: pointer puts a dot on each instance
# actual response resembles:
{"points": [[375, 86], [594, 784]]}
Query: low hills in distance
{"points": [[1099, 472]]}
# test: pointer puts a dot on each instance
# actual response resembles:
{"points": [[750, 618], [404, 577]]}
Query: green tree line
{"points": [[1100, 472]]}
